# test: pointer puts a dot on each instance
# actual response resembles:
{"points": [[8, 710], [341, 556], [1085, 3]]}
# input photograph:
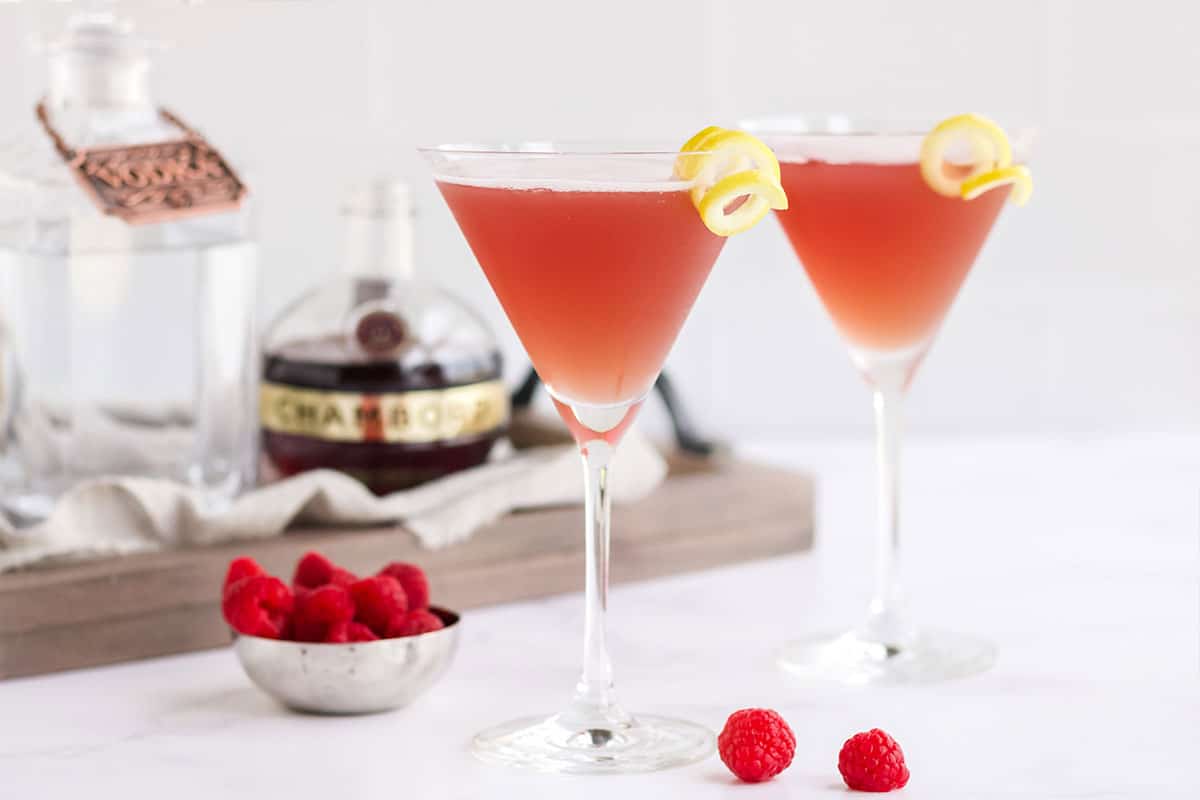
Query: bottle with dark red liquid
{"points": [[377, 373]]}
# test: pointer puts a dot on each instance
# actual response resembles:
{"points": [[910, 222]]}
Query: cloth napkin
{"points": [[119, 516]]}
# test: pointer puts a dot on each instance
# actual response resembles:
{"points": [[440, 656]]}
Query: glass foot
{"points": [[616, 745], [853, 659]]}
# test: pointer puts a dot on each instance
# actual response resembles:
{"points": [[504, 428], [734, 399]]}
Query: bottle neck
{"points": [[99, 63], [378, 246], [85, 83]]}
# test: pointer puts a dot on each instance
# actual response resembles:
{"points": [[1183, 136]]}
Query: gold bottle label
{"points": [[426, 415]]}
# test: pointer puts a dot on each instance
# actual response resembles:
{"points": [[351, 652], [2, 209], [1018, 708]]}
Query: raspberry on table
{"points": [[414, 623], [378, 599], [320, 609], [258, 605], [756, 744], [412, 578], [872, 762], [239, 568]]}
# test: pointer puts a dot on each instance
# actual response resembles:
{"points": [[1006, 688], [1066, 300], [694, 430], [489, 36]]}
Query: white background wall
{"points": [[1081, 314]]}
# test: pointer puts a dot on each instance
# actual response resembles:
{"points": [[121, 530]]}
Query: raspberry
{"points": [[413, 579], [872, 762], [313, 570], [337, 633], [342, 632], [378, 599], [342, 577], [361, 633], [756, 744], [258, 605], [413, 623], [319, 610], [240, 568]]}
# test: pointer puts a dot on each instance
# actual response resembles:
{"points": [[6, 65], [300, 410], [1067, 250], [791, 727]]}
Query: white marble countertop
{"points": [[1078, 557]]}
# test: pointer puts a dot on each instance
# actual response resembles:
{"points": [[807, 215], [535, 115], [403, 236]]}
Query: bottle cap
{"points": [[99, 62]]}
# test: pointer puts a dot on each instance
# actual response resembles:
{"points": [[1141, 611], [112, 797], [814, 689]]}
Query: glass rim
{"points": [[834, 124], [550, 148], [844, 138]]}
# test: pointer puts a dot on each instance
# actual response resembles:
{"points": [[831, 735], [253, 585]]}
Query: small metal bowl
{"points": [[357, 678]]}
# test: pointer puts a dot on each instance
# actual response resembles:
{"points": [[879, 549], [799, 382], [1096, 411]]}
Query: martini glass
{"points": [[886, 255], [596, 256]]}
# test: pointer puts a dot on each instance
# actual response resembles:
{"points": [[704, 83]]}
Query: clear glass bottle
{"points": [[125, 349], [377, 373]]}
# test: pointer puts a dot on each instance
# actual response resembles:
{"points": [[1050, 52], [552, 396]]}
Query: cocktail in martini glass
{"points": [[597, 255], [887, 221]]}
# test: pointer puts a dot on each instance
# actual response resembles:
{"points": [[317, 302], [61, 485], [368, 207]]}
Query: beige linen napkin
{"points": [[117, 516]]}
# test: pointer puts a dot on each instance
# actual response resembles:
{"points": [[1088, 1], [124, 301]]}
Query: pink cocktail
{"points": [[596, 257], [882, 223]]}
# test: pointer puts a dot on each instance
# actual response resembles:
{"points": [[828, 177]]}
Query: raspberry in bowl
{"points": [[333, 643]]}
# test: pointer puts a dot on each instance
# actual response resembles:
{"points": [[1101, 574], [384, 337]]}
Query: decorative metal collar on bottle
{"points": [[154, 182]]}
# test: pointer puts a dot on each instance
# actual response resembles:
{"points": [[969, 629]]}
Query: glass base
{"points": [[616, 744], [853, 659]]}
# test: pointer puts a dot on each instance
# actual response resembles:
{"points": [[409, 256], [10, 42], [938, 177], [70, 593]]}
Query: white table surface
{"points": [[1078, 557]]}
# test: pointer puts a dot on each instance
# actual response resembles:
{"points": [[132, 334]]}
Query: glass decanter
{"points": [[125, 349]]}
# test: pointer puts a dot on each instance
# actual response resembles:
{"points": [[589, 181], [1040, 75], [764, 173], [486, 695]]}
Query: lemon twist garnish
{"points": [[1018, 177], [989, 164], [726, 167]]}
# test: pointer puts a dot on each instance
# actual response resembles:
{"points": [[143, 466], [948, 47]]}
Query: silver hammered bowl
{"points": [[354, 678]]}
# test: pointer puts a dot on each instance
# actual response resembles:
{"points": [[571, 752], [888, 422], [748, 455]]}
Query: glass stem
{"points": [[595, 688], [888, 623]]}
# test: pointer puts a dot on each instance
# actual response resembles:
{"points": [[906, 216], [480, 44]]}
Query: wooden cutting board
{"points": [[708, 513]]}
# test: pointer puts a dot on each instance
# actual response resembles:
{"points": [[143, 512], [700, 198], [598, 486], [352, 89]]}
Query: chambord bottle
{"points": [[378, 373]]}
